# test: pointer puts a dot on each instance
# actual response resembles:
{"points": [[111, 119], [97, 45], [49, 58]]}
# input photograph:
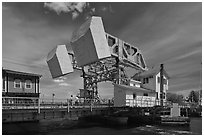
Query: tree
{"points": [[193, 96], [175, 98]]}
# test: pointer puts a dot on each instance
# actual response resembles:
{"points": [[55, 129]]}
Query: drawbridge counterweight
{"points": [[99, 55]]}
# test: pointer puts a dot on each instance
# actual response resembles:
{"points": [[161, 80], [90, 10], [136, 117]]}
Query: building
{"points": [[133, 96], [20, 87], [200, 97], [143, 90], [151, 80]]}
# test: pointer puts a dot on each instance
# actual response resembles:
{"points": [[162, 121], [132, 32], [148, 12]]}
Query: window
{"points": [[17, 83], [28, 84], [164, 95], [161, 96], [165, 81], [158, 79], [3, 84], [145, 80], [157, 95], [134, 95], [145, 94]]}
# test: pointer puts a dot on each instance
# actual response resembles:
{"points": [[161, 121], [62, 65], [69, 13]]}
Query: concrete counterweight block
{"points": [[59, 61], [89, 42]]}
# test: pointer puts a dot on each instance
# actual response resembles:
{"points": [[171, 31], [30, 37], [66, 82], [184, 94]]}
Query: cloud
{"points": [[186, 55], [75, 8], [58, 80], [107, 8], [170, 33], [64, 84]]}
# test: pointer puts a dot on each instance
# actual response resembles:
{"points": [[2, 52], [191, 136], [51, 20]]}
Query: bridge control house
{"points": [[20, 87], [143, 90]]}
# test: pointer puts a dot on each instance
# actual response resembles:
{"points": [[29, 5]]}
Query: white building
{"points": [[143, 91], [151, 80], [133, 96]]}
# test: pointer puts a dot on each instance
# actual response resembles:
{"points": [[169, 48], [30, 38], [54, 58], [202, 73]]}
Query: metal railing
{"points": [[145, 102], [38, 103], [19, 102], [72, 103]]}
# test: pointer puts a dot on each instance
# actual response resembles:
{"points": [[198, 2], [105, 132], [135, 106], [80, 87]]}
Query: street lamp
{"points": [[53, 95]]}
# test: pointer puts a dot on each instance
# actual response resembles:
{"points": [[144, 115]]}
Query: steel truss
{"points": [[113, 68]]}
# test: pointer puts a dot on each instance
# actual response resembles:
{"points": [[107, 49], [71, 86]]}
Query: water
{"points": [[67, 127]]}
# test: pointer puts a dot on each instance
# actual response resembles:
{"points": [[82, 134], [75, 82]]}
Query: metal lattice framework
{"points": [[112, 68], [99, 55]]}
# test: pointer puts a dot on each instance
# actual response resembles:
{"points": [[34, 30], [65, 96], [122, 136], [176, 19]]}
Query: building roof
{"points": [[151, 72], [20, 73], [135, 88]]}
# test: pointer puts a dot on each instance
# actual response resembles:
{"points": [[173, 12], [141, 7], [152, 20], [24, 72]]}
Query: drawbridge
{"points": [[99, 55]]}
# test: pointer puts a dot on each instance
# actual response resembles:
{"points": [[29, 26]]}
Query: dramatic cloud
{"points": [[79, 8], [75, 8]]}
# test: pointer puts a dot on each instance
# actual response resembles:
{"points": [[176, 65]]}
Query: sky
{"points": [[168, 33]]}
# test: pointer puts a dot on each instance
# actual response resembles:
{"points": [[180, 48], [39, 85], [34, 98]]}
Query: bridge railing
{"points": [[73, 103], [19, 102], [145, 103], [39, 103]]}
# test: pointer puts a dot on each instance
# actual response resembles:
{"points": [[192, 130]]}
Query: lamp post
{"points": [[53, 95]]}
